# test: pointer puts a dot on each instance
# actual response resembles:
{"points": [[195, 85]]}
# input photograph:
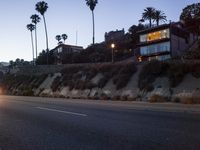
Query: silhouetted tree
{"points": [[31, 27], [159, 16], [148, 14], [58, 38], [133, 31], [11, 64], [92, 4], [42, 58], [64, 37], [42, 7], [191, 18], [35, 19]]}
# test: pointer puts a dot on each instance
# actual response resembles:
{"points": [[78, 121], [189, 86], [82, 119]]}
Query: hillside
{"points": [[155, 81]]}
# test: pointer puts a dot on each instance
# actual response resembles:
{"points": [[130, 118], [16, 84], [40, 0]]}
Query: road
{"points": [[31, 123]]}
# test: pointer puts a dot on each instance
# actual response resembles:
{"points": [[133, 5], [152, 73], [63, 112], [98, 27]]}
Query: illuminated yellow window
{"points": [[162, 34], [154, 36]]}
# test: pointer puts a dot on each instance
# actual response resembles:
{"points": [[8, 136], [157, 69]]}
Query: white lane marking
{"points": [[61, 111]]}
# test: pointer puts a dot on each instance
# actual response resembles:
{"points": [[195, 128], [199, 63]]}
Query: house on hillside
{"points": [[123, 44], [114, 35], [62, 50], [163, 42]]}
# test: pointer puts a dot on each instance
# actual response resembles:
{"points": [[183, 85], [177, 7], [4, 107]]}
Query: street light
{"points": [[112, 46]]}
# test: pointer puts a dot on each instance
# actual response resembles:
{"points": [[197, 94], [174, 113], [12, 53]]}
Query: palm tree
{"points": [[42, 7], [148, 14], [92, 4], [35, 19], [58, 38], [159, 16], [64, 37], [31, 27]]}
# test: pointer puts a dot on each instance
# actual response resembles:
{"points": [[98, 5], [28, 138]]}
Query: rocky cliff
{"points": [[154, 81]]}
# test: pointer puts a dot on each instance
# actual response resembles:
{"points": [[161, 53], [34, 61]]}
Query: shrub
{"points": [[90, 85], [192, 54], [39, 80], [177, 100], [150, 72], [103, 81], [122, 81], [124, 98], [190, 100], [56, 83], [124, 75], [157, 98], [104, 96], [116, 97], [90, 72], [70, 70], [176, 74], [79, 84], [28, 92], [195, 70]]}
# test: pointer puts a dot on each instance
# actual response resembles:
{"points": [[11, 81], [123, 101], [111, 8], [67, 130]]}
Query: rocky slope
{"points": [[154, 81]]}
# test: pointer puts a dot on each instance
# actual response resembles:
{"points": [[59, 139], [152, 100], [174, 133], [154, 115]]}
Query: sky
{"points": [[71, 17]]}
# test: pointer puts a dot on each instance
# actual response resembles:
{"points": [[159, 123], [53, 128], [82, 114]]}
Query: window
{"points": [[162, 34], [60, 50], [143, 38], [161, 57], [155, 48]]}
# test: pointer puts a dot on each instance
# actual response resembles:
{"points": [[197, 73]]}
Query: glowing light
{"points": [[140, 59], [112, 45]]}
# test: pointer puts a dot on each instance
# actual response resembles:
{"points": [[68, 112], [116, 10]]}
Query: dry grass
{"points": [[190, 100], [104, 97], [157, 99]]}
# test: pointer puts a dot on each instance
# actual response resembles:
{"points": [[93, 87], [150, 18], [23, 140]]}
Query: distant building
{"points": [[114, 35], [62, 50], [163, 42]]}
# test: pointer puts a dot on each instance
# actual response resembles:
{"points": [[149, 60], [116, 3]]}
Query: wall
{"points": [[178, 45]]}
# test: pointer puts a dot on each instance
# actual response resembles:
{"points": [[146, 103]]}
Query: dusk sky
{"points": [[69, 16]]}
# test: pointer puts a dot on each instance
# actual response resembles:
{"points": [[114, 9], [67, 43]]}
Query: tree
{"points": [[58, 38], [159, 16], [11, 64], [64, 37], [35, 19], [31, 27], [148, 14], [133, 31], [135, 28], [191, 18], [42, 58], [92, 4], [42, 7]]}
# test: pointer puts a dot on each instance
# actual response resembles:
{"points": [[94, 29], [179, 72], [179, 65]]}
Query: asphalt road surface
{"points": [[28, 123]]}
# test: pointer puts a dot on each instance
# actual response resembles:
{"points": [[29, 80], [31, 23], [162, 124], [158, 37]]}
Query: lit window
{"points": [[155, 48], [60, 50], [162, 34]]}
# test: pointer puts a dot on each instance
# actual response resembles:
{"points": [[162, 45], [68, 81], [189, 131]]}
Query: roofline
{"points": [[68, 46], [163, 26]]}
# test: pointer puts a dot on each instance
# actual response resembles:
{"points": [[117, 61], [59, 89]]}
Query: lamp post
{"points": [[112, 46]]}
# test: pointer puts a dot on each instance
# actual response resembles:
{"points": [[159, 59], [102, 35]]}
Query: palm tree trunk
{"points": [[150, 22], [47, 44], [157, 22], [93, 28], [35, 41], [32, 46]]}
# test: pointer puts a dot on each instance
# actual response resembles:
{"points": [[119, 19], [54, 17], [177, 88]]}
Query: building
{"points": [[62, 50], [114, 35], [163, 42]]}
